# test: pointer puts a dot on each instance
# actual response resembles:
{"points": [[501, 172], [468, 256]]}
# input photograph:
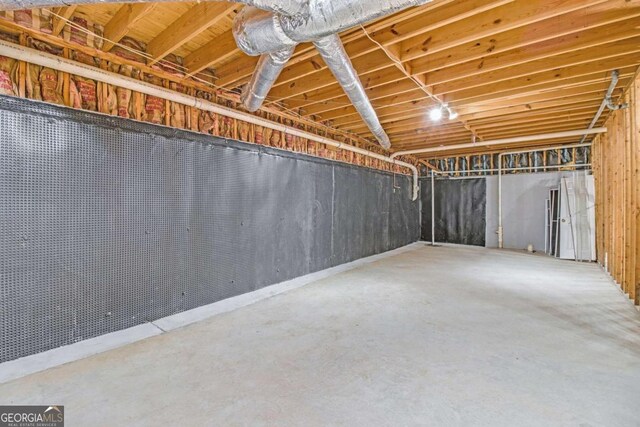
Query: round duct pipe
{"points": [[258, 33]]}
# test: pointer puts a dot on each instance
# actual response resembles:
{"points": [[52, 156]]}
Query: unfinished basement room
{"points": [[319, 213]]}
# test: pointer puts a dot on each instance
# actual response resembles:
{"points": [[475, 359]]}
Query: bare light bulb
{"points": [[435, 114]]}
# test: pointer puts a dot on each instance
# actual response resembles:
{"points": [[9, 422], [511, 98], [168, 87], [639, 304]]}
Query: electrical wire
{"points": [[400, 65], [443, 105]]}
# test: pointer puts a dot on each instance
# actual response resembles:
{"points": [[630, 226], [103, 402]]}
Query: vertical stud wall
{"points": [[616, 159]]}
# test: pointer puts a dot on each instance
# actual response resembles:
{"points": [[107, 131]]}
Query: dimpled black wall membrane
{"points": [[460, 210], [108, 223]]}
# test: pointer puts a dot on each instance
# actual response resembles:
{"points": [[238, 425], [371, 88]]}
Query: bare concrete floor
{"points": [[436, 336]]}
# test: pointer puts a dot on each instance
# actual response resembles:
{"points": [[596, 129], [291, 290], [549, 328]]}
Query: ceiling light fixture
{"points": [[435, 114]]}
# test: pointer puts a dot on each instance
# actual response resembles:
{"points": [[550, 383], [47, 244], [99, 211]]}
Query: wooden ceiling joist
{"points": [[540, 66], [559, 26], [216, 51], [189, 25], [60, 18], [505, 66], [479, 96], [584, 41], [123, 21], [417, 107], [513, 15], [463, 28]]}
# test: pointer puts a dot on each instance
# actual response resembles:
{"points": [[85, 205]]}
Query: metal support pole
{"points": [[433, 209], [500, 229]]}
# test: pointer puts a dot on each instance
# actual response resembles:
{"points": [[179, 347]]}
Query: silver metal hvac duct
{"points": [[261, 33], [266, 73], [258, 32], [332, 51], [283, 7]]}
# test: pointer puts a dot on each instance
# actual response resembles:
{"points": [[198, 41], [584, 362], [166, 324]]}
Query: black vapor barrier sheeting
{"points": [[460, 210], [108, 223]]}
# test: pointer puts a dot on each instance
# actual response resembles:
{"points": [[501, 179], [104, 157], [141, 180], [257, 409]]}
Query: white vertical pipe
{"points": [[500, 229], [433, 209]]}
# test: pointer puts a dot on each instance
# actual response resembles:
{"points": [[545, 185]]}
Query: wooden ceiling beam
{"points": [[537, 119], [407, 98], [324, 99], [523, 113], [429, 142], [479, 95], [426, 128], [421, 121], [549, 65], [373, 62], [595, 99], [593, 17], [358, 125], [538, 53], [510, 16], [559, 94], [431, 129], [186, 27], [380, 105], [519, 116], [531, 106], [60, 17], [123, 21], [539, 128], [446, 34], [405, 138], [402, 143], [216, 51], [418, 107], [408, 125], [384, 84], [384, 114]]}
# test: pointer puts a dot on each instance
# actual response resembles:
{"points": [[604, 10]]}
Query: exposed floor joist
{"points": [[503, 65]]}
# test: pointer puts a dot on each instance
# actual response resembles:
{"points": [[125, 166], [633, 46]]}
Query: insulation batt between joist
{"points": [[32, 56]]}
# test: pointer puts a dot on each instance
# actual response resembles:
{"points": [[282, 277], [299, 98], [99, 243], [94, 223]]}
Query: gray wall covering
{"points": [[459, 210], [523, 208], [467, 209], [107, 223]]}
